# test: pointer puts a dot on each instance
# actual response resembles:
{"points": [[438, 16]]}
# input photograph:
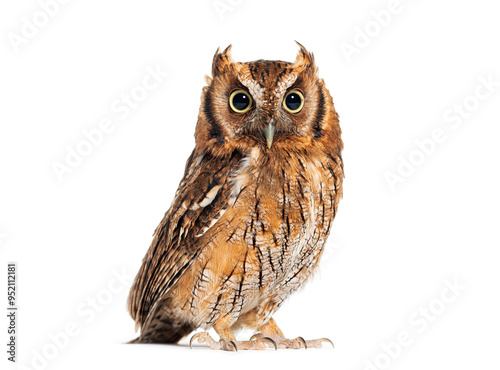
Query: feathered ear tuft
{"points": [[222, 61], [304, 60]]}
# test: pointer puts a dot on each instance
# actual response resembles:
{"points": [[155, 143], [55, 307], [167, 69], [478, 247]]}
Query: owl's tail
{"points": [[163, 329], [164, 335]]}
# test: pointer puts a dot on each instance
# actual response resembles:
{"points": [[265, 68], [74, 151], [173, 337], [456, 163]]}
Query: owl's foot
{"points": [[299, 342], [230, 344]]}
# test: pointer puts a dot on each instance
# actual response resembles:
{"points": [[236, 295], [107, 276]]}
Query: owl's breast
{"points": [[268, 239], [283, 206]]}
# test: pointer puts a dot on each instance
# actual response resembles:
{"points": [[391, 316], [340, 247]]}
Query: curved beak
{"points": [[269, 133]]}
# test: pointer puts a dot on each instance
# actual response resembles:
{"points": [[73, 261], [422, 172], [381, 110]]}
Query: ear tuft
{"points": [[222, 61], [305, 59]]}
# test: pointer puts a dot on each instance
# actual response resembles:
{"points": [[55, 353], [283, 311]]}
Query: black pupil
{"points": [[240, 101], [293, 101]]}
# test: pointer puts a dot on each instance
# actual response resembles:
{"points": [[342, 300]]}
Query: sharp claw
{"points": [[327, 340], [234, 345], [272, 341], [254, 336], [304, 341], [192, 339]]}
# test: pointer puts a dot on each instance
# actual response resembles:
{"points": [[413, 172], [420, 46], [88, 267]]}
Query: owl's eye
{"points": [[240, 101], [294, 101]]}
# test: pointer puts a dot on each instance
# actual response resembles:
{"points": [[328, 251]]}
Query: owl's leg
{"points": [[271, 330], [228, 341]]}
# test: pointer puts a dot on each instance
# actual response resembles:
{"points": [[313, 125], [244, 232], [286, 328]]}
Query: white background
{"points": [[391, 251]]}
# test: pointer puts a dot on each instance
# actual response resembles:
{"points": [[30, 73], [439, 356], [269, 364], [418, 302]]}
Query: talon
{"points": [[272, 341], [196, 336], [234, 345], [305, 343], [326, 340], [255, 336]]}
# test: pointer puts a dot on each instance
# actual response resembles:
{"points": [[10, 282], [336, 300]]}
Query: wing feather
{"points": [[201, 198]]}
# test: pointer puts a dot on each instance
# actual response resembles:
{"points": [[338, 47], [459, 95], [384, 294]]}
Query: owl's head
{"points": [[266, 103]]}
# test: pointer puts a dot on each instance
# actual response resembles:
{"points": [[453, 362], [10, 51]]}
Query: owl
{"points": [[248, 224]]}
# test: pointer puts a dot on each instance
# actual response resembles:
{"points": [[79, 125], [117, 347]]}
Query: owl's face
{"points": [[265, 103]]}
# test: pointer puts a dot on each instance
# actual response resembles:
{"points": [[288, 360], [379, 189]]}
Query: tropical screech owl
{"points": [[249, 221]]}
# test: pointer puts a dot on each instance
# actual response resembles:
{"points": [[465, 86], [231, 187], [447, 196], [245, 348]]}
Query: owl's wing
{"points": [[202, 196]]}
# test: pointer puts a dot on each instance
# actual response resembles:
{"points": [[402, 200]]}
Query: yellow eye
{"points": [[240, 101], [294, 101]]}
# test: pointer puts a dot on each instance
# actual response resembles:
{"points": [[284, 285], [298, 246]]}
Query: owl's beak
{"points": [[269, 134]]}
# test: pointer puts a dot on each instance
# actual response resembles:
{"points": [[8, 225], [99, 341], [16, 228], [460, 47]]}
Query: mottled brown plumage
{"points": [[250, 219]]}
